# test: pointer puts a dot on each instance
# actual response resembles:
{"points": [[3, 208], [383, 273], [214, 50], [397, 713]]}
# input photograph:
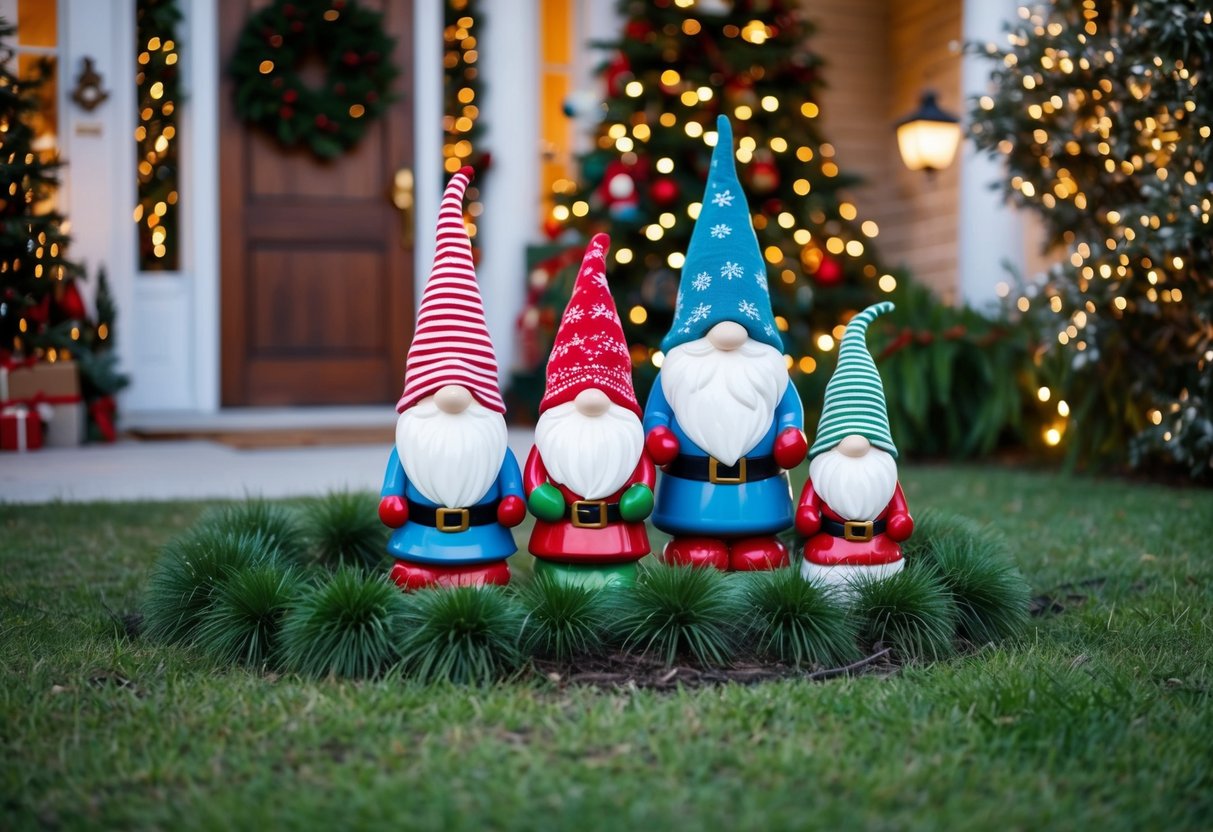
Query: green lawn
{"points": [[1099, 718]]}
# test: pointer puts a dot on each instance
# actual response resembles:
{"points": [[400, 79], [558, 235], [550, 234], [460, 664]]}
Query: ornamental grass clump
{"points": [[797, 622], [680, 610], [278, 524], [190, 571], [563, 621], [244, 620], [990, 594], [343, 529], [464, 634], [910, 612], [932, 526], [345, 625]]}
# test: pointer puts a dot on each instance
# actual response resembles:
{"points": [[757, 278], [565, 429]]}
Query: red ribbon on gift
{"points": [[102, 412]]}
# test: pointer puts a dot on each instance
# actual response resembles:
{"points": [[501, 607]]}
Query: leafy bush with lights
{"points": [[1103, 114]]}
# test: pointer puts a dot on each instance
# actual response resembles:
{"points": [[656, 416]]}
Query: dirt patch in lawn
{"points": [[622, 670]]}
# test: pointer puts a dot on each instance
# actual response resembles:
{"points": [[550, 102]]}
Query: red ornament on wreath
{"points": [[665, 191], [829, 272]]}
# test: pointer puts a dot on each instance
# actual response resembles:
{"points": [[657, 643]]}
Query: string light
{"points": [[157, 81], [461, 123]]}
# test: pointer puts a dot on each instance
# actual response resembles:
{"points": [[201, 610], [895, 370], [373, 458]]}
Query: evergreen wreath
{"points": [[272, 95]]}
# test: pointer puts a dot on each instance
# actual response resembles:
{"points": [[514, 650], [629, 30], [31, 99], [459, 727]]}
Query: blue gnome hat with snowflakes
{"points": [[724, 277]]}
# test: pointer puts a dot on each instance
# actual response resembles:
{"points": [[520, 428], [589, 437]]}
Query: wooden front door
{"points": [[317, 271]]}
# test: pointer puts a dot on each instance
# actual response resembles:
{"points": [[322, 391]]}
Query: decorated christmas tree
{"points": [[675, 66], [43, 316], [1103, 113], [39, 302]]}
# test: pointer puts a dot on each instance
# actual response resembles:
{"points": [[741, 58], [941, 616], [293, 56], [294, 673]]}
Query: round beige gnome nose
{"points": [[854, 445], [727, 335], [591, 402], [453, 398]]}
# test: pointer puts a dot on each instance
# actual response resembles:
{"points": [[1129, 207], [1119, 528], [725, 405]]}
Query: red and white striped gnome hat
{"points": [[451, 344], [590, 350]]}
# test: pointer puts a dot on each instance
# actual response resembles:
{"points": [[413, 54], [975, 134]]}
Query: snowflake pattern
{"points": [[731, 270], [761, 280], [601, 310], [720, 231], [701, 282], [768, 329], [748, 309], [596, 251], [699, 313], [601, 280], [723, 198], [573, 314]]}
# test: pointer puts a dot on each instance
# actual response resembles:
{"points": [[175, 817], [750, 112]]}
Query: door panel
{"points": [[316, 284]]}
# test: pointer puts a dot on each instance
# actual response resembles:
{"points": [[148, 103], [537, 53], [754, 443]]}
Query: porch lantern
{"points": [[928, 137]]}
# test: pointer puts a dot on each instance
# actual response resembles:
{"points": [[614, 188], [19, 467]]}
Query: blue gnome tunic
{"points": [[692, 507], [476, 544]]}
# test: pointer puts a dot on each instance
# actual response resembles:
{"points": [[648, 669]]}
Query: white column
{"points": [[98, 148], [991, 231], [509, 68], [428, 174], [200, 216]]}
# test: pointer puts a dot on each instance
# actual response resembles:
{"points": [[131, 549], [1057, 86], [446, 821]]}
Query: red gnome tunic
{"points": [[834, 540], [592, 532]]}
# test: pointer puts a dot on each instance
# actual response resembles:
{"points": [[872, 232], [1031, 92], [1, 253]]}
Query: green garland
{"points": [[349, 41], [252, 584]]}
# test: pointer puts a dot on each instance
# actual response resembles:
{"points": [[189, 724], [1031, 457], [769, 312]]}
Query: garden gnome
{"points": [[722, 418], [588, 480], [452, 487], [852, 510]]}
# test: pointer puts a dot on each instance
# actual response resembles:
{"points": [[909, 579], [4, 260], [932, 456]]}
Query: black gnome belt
{"points": [[452, 519], [593, 514], [856, 531], [710, 469]]}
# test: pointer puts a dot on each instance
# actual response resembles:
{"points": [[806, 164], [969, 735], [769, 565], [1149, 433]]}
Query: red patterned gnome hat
{"points": [[590, 350], [451, 344]]}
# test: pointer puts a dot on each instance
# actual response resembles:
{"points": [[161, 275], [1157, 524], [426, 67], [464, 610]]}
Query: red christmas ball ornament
{"points": [[764, 176], [829, 272], [70, 303], [552, 228], [350, 58], [617, 74], [322, 121], [637, 29], [664, 191], [290, 97]]}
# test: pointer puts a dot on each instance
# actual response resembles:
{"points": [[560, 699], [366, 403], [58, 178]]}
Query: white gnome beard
{"points": [[724, 399], [593, 455], [453, 459], [854, 488]]}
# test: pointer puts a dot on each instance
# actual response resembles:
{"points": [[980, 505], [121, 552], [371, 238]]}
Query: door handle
{"points": [[401, 195]]}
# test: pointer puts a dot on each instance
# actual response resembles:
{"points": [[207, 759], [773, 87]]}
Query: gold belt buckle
{"points": [[713, 476], [600, 523], [460, 523], [857, 531]]}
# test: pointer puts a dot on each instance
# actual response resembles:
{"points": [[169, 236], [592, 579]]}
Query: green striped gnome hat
{"points": [[855, 397]]}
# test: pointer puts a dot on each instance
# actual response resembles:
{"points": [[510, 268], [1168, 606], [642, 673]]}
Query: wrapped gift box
{"points": [[20, 428], [44, 383], [66, 426], [23, 382]]}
